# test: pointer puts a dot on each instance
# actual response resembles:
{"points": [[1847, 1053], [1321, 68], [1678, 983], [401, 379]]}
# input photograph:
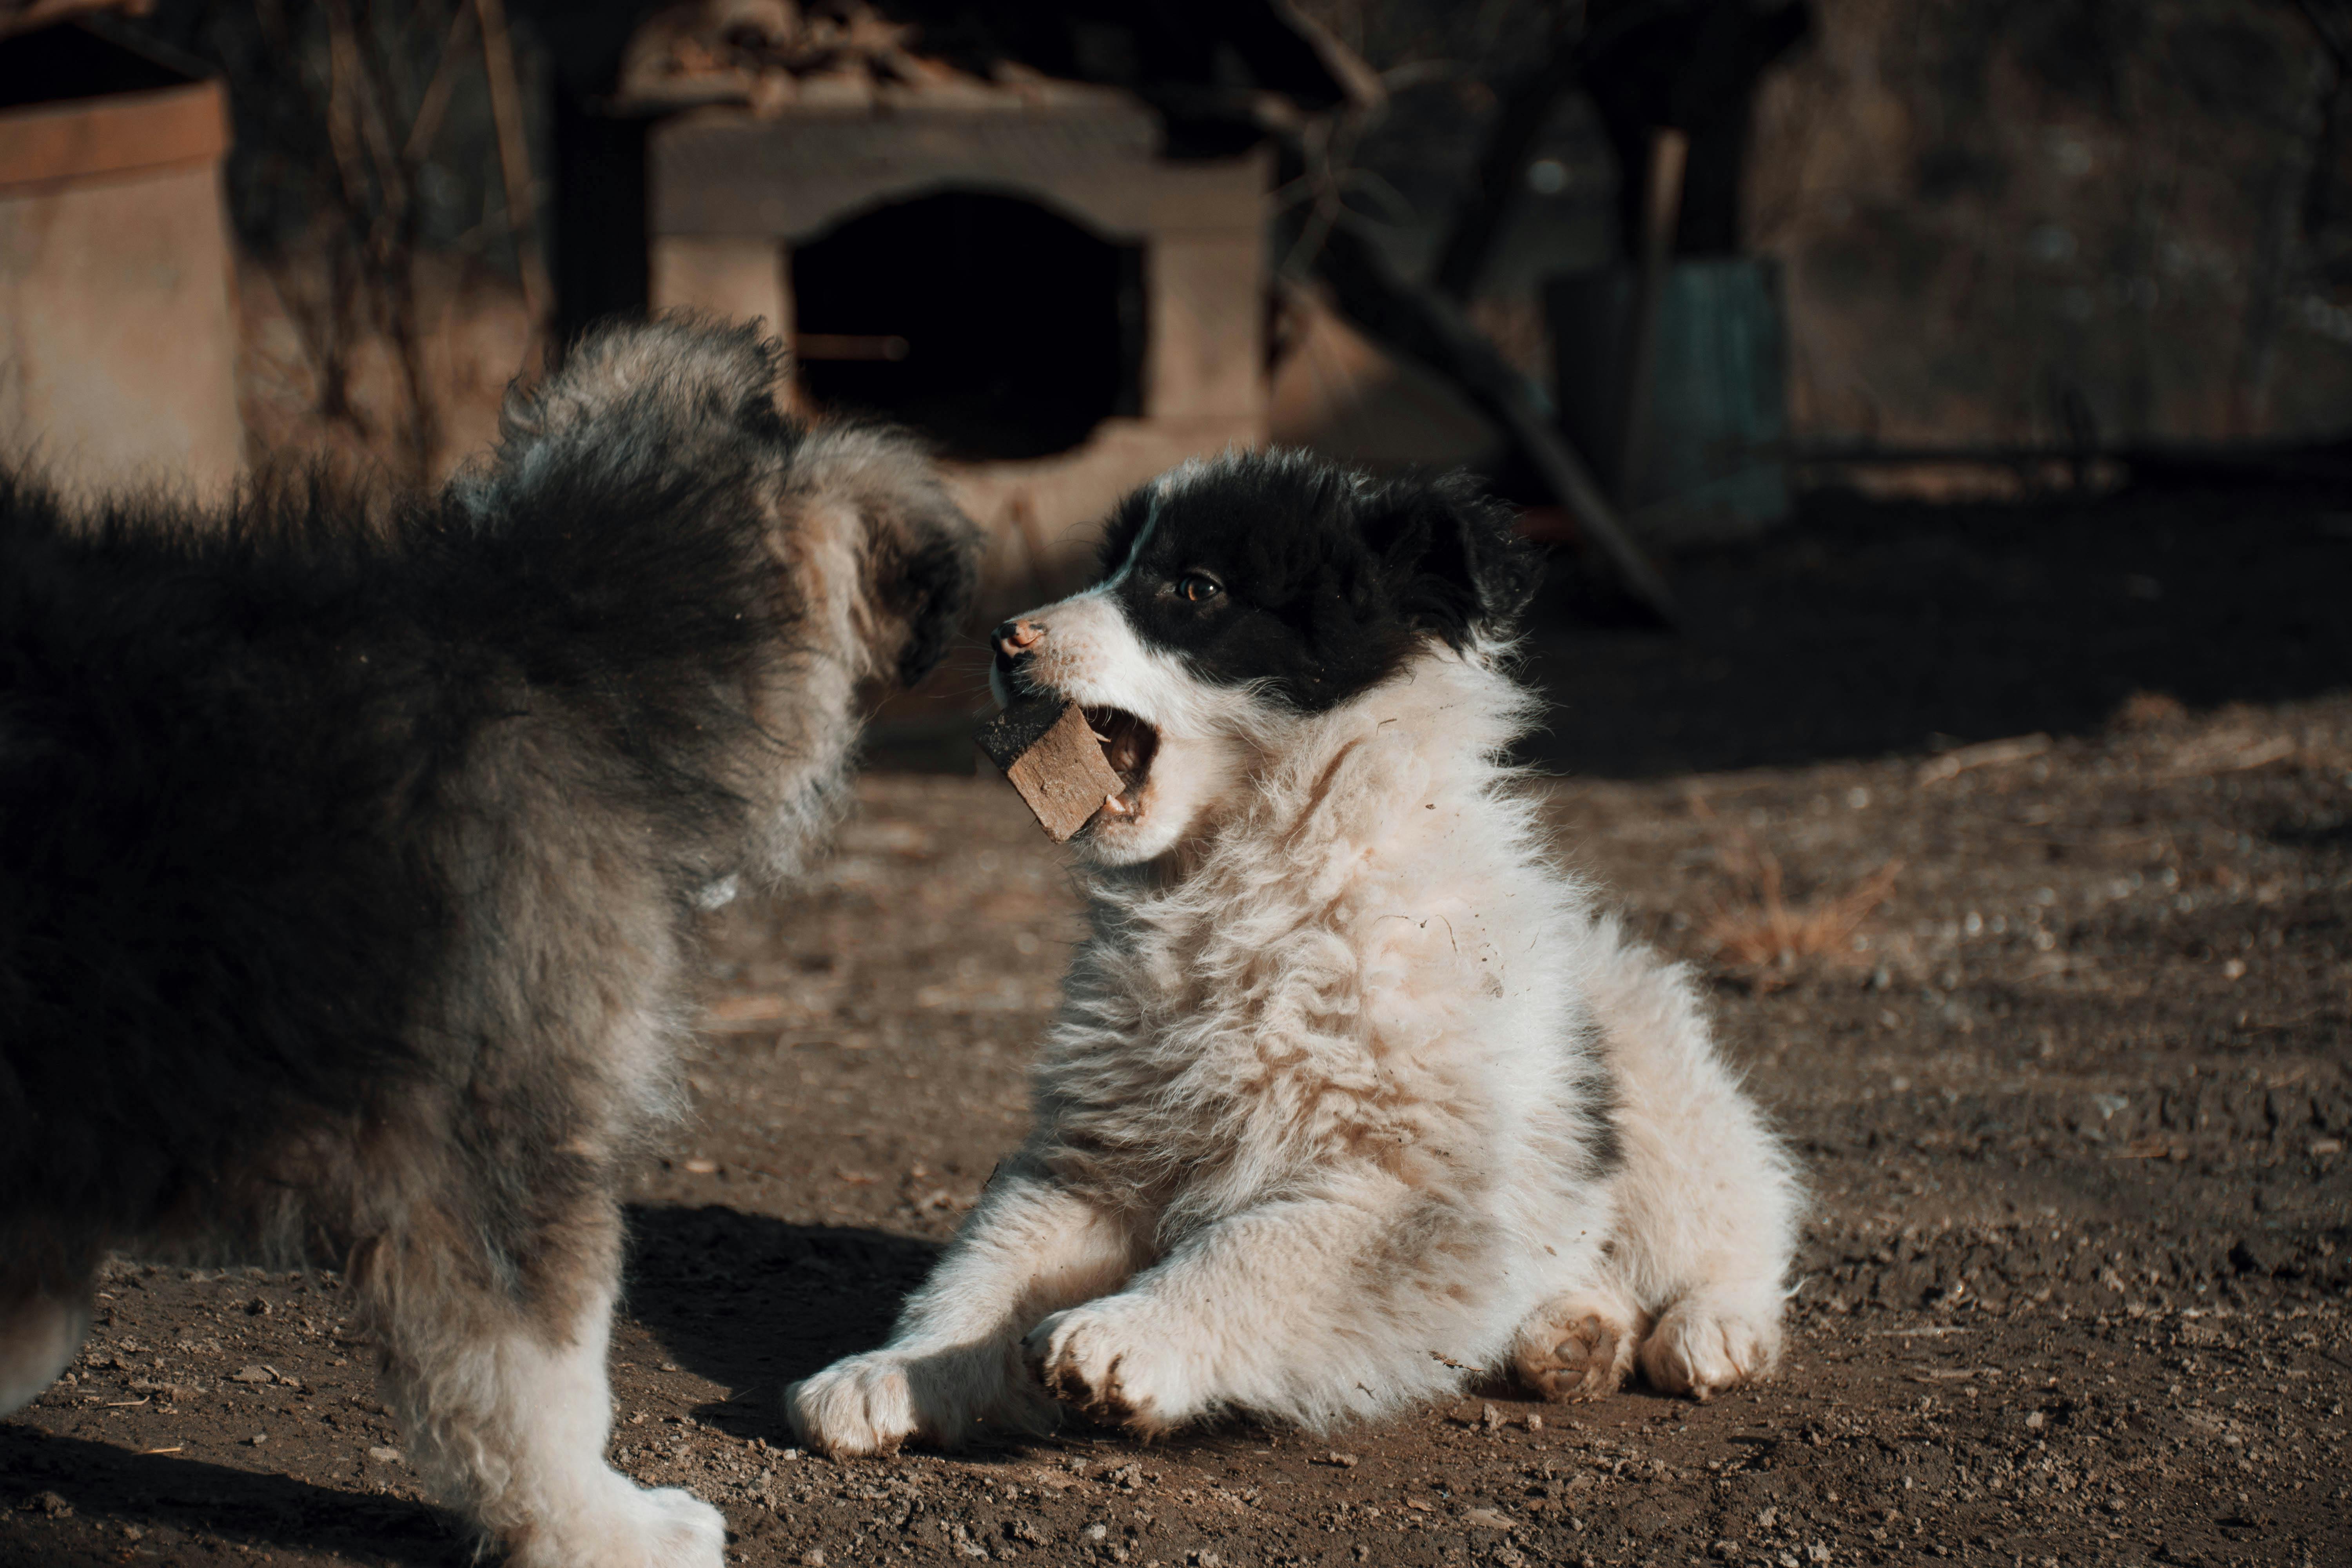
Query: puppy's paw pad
{"points": [[1089, 1361], [1700, 1351], [1573, 1355], [861, 1405]]}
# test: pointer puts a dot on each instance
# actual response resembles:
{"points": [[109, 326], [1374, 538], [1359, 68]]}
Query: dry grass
{"points": [[2145, 711], [1757, 932], [2171, 742]]}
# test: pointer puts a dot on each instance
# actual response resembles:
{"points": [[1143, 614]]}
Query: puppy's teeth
{"points": [[1111, 802], [1098, 735]]}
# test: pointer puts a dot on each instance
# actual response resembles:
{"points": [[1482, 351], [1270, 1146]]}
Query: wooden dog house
{"points": [[1117, 323], [1031, 269]]}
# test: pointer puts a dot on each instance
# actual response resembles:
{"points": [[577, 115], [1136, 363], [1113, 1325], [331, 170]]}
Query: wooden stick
{"points": [[1419, 323], [1669, 155], [514, 164], [1499, 184], [436, 101]]}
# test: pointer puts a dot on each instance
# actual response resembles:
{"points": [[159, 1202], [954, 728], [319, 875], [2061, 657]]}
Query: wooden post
{"points": [[1418, 322], [514, 167], [1669, 152]]}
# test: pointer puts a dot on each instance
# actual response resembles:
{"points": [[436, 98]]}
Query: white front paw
{"points": [[1102, 1361], [859, 1404], [665, 1528], [1700, 1349], [682, 1531]]}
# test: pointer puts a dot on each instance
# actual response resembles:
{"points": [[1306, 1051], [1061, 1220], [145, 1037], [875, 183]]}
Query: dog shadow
{"points": [[256, 1509], [753, 1303], [743, 1300]]}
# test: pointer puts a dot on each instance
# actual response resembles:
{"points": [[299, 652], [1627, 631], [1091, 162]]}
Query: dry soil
{"points": [[2073, 1103]]}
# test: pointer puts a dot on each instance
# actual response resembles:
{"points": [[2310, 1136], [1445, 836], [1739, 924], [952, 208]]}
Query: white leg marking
{"points": [[514, 1430]]}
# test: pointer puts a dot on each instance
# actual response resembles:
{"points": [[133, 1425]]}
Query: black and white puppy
{"points": [[1354, 1095], [349, 868]]}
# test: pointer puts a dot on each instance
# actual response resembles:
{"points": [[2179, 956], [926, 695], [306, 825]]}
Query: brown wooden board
{"points": [[1053, 759]]}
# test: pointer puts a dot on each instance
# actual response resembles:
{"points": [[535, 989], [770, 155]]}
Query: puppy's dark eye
{"points": [[1199, 587]]}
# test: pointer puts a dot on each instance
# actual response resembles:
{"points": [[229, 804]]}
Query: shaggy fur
{"points": [[1354, 1095], [347, 871]]}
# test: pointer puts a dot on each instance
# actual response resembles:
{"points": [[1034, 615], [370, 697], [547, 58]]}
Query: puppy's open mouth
{"points": [[1129, 745]]}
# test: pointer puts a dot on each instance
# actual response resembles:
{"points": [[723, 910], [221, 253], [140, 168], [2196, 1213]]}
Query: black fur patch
{"points": [[1596, 1106], [1330, 578]]}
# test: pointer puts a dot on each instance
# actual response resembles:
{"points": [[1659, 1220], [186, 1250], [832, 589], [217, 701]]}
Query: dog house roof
{"points": [[1217, 71]]}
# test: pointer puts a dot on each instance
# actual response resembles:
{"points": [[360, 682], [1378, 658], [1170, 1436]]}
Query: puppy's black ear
{"points": [[1453, 558]]}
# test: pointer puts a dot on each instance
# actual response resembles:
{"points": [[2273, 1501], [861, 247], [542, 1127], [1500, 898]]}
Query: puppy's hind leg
{"points": [[40, 1329], [1708, 1199], [501, 1383]]}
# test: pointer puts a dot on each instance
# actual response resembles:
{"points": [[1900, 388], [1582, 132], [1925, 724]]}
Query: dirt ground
{"points": [[2072, 1100]]}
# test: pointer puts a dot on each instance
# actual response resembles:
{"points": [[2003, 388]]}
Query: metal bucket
{"points": [[1712, 463]]}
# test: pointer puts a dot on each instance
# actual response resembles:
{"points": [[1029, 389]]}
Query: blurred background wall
{"points": [[1995, 219], [119, 344], [1990, 208]]}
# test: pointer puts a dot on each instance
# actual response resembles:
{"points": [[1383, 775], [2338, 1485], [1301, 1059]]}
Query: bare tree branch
{"points": [[514, 163], [1499, 183], [436, 101]]}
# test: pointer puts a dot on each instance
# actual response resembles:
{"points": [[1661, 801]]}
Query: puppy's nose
{"points": [[1014, 638]]}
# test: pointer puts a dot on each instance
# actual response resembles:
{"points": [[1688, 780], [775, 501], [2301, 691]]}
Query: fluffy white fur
{"points": [[1354, 1096], [513, 1430]]}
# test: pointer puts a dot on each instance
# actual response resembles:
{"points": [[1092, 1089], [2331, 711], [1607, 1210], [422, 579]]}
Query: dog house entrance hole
{"points": [[995, 327]]}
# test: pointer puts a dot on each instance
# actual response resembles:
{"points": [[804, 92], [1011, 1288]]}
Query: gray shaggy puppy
{"points": [[348, 875]]}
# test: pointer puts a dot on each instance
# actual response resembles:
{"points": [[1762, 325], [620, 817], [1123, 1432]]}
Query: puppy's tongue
{"points": [[1051, 756]]}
